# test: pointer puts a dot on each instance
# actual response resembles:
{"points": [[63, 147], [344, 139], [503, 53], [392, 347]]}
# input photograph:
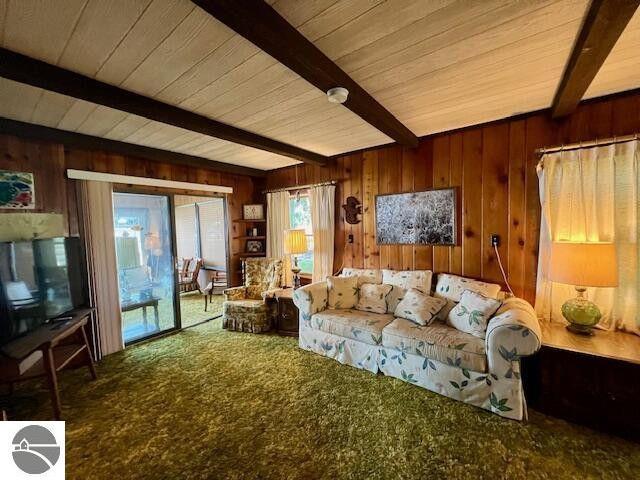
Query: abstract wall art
{"points": [[417, 218]]}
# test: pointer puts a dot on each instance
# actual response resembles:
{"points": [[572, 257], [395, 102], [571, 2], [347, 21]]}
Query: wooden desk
{"points": [[46, 351], [594, 381]]}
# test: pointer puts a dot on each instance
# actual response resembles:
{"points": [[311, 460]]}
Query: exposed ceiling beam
{"points": [[23, 69], [259, 23], [88, 142], [602, 26]]}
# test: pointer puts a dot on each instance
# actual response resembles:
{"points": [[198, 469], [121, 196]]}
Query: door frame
{"points": [[176, 310], [227, 245], [171, 194]]}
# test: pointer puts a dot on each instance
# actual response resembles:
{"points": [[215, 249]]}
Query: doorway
{"points": [[145, 264], [201, 246]]}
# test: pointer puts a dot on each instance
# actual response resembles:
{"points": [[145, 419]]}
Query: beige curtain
{"points": [[96, 207], [591, 194], [277, 223], [322, 199]]}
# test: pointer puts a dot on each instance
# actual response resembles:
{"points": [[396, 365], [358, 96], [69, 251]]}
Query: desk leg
{"points": [[144, 317], [92, 368], [52, 379], [156, 318]]}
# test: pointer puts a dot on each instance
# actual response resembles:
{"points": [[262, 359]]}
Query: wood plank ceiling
{"points": [[434, 64]]}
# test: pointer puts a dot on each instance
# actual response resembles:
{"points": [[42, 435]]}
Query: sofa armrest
{"points": [[235, 293], [310, 299], [512, 333]]}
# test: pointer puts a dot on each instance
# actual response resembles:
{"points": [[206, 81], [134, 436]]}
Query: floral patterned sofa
{"points": [[484, 372]]}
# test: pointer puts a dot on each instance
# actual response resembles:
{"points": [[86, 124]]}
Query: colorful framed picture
{"points": [[17, 190]]}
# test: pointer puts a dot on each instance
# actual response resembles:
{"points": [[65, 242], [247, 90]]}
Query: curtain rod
{"points": [[593, 143], [300, 187]]}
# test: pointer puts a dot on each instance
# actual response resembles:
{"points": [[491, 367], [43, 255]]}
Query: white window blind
{"points": [[186, 231], [212, 240]]}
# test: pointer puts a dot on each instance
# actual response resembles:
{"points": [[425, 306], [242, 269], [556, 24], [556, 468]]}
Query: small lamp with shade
{"points": [[583, 265], [295, 243]]}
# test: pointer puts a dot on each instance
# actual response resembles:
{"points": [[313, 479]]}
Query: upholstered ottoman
{"points": [[246, 316]]}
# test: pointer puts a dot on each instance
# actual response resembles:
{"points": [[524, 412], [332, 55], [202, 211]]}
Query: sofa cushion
{"points": [[373, 298], [419, 307], [419, 279], [355, 324], [364, 275], [342, 292], [451, 287], [473, 312], [437, 342]]}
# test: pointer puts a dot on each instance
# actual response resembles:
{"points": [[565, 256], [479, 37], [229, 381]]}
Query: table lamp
{"points": [[295, 243], [583, 265]]}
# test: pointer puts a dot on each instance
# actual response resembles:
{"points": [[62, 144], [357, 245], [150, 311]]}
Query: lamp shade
{"points": [[584, 264], [295, 241]]}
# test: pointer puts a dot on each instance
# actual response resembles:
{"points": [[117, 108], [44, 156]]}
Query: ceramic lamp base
{"points": [[580, 330], [296, 273], [581, 314]]}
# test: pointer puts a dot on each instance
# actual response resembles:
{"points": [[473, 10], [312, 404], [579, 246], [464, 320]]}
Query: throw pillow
{"points": [[451, 287], [419, 307], [473, 312], [394, 297], [373, 298], [343, 292]]}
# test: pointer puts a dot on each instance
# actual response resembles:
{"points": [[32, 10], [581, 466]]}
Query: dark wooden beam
{"points": [[88, 142], [602, 26], [23, 69], [259, 23]]}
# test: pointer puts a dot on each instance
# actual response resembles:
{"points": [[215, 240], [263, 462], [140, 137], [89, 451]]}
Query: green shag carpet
{"points": [[207, 404]]}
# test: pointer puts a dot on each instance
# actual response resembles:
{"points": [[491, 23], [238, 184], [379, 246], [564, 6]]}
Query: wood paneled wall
{"points": [[56, 194], [494, 166]]}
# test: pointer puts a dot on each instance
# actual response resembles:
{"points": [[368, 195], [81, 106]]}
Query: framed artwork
{"points": [[17, 190], [417, 218], [253, 211], [254, 246]]}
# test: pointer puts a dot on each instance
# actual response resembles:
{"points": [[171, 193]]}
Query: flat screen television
{"points": [[39, 280]]}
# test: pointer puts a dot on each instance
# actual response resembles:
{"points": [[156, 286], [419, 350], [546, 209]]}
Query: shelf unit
{"points": [[242, 234]]}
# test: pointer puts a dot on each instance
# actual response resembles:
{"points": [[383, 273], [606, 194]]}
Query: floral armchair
{"points": [[245, 308]]}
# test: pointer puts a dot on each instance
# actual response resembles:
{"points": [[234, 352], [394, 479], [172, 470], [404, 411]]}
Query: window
{"points": [[200, 229], [300, 217]]}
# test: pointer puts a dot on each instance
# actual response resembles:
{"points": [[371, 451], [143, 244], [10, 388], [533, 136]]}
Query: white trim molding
{"points": [[150, 182]]}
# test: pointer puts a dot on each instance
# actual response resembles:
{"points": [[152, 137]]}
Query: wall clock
{"points": [[253, 211]]}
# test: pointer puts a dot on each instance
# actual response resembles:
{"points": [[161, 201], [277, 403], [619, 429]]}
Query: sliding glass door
{"points": [[201, 245], [146, 266]]}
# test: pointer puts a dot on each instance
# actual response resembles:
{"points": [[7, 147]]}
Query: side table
{"points": [[287, 316]]}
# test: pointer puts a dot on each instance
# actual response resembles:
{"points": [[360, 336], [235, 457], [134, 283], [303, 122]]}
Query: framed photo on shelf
{"points": [[254, 211], [254, 246]]}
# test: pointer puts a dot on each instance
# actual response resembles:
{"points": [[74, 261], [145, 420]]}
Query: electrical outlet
{"points": [[495, 240], [350, 238]]}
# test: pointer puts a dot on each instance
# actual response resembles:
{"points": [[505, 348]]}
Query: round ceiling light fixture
{"points": [[337, 94]]}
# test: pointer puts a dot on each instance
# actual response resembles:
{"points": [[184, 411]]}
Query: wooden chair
{"points": [[189, 283], [183, 268], [218, 279]]}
